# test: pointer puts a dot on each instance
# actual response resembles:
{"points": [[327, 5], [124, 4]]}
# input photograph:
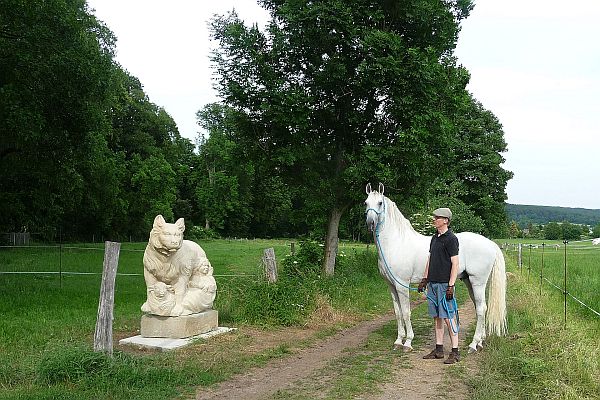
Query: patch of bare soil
{"points": [[423, 379], [431, 379], [280, 374]]}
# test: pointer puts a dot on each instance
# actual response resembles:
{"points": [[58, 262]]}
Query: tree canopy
{"points": [[331, 95], [82, 148], [334, 94]]}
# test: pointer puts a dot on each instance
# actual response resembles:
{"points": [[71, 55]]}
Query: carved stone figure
{"points": [[178, 275], [161, 299]]}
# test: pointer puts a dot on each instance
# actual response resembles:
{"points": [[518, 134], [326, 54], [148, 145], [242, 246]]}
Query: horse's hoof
{"points": [[472, 350], [397, 347], [479, 346], [407, 349]]}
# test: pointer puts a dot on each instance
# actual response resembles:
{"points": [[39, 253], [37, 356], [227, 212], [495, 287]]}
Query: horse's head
{"points": [[374, 206]]}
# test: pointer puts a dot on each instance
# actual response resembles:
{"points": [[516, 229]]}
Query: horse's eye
{"points": [[380, 203]]}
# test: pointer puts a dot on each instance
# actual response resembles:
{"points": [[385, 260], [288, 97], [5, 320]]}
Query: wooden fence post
{"points": [[103, 334], [270, 265]]}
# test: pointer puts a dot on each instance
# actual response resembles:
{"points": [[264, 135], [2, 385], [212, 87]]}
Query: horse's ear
{"points": [[158, 221], [381, 188], [180, 224], [368, 188]]}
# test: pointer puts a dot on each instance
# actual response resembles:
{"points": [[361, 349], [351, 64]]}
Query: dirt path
{"points": [[428, 379], [425, 379]]}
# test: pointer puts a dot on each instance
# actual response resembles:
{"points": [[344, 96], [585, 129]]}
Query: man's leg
{"points": [[438, 352], [439, 331], [451, 333], [453, 356]]}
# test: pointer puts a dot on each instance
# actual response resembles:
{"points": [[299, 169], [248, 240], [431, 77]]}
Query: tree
{"points": [[55, 84], [514, 231], [333, 86], [570, 231], [596, 231], [552, 231], [78, 135], [155, 161], [223, 178]]}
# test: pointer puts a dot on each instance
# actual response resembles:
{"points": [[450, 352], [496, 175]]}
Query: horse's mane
{"points": [[396, 216]]}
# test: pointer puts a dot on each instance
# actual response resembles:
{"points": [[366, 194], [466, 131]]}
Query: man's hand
{"points": [[450, 293], [422, 285]]}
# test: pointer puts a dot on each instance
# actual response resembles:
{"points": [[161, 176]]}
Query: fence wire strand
{"points": [[562, 290]]}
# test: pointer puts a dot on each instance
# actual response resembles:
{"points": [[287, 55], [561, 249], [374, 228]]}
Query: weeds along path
{"points": [[307, 373], [264, 382]]}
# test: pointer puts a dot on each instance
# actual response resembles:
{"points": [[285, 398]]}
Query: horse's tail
{"points": [[496, 311]]}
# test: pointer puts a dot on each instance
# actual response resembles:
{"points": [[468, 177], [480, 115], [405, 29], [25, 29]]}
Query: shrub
{"points": [[200, 233], [306, 262], [293, 298]]}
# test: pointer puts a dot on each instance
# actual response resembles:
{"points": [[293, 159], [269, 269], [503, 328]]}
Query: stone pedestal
{"points": [[155, 326]]}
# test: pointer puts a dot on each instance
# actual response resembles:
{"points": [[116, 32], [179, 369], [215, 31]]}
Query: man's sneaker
{"points": [[434, 354], [452, 358]]}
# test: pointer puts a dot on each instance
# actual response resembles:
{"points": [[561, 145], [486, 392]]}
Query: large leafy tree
{"points": [[55, 80], [155, 161], [335, 88], [473, 176], [82, 149], [223, 175]]}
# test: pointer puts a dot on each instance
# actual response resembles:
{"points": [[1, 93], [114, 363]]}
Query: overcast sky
{"points": [[535, 64]]}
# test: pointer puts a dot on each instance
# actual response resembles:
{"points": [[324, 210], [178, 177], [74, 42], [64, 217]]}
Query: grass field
{"points": [[541, 358], [48, 321], [583, 270]]}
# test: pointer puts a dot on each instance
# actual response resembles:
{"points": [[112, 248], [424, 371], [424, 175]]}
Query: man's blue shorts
{"points": [[437, 291]]}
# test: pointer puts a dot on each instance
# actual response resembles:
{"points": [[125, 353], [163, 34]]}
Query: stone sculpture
{"points": [[178, 275]]}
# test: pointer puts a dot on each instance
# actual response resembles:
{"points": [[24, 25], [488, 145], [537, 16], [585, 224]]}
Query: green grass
{"points": [[47, 328], [48, 321], [541, 358], [583, 271]]}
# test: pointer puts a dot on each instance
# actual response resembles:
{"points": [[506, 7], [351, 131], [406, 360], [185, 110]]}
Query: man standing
{"points": [[440, 276]]}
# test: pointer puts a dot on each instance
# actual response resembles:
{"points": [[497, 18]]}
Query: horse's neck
{"points": [[397, 229]]}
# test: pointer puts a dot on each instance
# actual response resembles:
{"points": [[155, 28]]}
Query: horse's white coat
{"points": [[405, 251]]}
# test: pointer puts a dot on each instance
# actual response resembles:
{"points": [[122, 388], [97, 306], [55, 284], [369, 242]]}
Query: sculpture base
{"points": [[156, 326], [165, 344]]}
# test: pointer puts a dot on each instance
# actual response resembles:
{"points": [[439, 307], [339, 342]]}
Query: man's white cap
{"points": [[442, 212]]}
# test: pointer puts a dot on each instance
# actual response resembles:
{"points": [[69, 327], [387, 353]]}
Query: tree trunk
{"points": [[211, 185], [331, 242]]}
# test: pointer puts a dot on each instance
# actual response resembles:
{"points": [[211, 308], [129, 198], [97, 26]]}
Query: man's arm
{"points": [[454, 270]]}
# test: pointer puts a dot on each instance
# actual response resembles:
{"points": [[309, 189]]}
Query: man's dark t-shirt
{"points": [[441, 249]]}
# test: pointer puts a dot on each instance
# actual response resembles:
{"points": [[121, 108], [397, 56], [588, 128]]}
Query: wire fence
{"points": [[72, 260], [579, 268]]}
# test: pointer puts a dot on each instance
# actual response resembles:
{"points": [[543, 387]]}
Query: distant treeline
{"points": [[526, 214]]}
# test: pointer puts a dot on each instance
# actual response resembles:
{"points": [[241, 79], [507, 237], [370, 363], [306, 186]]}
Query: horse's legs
{"points": [[398, 314], [477, 293], [404, 299]]}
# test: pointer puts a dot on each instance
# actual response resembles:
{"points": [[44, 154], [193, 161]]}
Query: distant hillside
{"points": [[524, 214]]}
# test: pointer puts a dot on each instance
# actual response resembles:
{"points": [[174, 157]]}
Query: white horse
{"points": [[403, 253]]}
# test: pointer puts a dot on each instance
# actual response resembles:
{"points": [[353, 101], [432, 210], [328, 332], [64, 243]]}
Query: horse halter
{"points": [[379, 221]]}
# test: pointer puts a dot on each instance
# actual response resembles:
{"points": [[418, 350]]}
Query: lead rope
{"points": [[451, 312]]}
